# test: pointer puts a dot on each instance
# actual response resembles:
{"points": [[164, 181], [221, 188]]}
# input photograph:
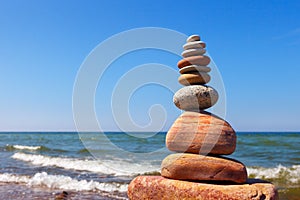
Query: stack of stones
{"points": [[197, 133], [198, 169]]}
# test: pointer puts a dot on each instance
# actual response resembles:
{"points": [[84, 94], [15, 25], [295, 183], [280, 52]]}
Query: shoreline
{"points": [[25, 192]]}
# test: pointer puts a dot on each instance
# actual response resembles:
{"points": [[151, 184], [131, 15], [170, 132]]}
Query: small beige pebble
{"points": [[194, 78], [194, 45], [194, 68], [193, 38], [193, 52]]}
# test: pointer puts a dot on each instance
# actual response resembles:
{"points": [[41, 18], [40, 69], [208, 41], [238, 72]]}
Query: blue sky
{"points": [[255, 44]]}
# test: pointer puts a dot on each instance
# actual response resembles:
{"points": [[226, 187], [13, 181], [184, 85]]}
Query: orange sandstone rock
{"points": [[202, 168], [193, 60], [201, 133], [159, 188]]}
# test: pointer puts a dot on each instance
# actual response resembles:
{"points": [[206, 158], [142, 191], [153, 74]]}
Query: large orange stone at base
{"points": [[159, 188]]}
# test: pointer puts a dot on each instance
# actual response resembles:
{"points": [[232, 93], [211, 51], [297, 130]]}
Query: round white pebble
{"points": [[193, 38], [194, 68], [194, 45], [195, 97], [193, 52]]}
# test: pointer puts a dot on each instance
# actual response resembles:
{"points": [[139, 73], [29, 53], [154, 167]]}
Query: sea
{"points": [[41, 165]]}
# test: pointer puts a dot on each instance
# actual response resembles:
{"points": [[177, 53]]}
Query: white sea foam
{"points": [[288, 174], [21, 147], [10, 178], [62, 182], [113, 167]]}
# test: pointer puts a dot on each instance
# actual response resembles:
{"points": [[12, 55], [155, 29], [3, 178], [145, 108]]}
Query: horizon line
{"points": [[89, 131]]}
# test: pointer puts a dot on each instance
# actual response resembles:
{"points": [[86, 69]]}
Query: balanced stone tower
{"points": [[198, 169], [197, 133]]}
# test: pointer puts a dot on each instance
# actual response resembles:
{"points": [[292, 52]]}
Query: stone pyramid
{"points": [[198, 169]]}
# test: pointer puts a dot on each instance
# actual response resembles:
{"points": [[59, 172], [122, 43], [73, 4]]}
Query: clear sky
{"points": [[255, 44]]}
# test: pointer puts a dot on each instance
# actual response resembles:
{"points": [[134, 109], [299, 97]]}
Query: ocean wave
{"points": [[22, 147], [111, 167], [62, 182], [280, 173], [31, 148]]}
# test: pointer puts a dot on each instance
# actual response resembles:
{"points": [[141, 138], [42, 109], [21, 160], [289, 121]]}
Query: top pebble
{"points": [[193, 38]]}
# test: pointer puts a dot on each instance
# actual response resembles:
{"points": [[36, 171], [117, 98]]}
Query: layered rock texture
{"points": [[160, 188], [206, 168], [198, 169], [201, 133]]}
